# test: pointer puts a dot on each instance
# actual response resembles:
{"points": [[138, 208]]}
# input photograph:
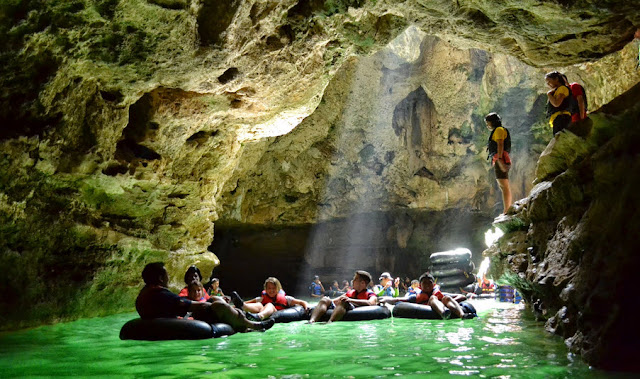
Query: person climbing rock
{"points": [[499, 147]]}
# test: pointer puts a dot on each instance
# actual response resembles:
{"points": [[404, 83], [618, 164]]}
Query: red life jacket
{"points": [[423, 297], [280, 301], [364, 295]]}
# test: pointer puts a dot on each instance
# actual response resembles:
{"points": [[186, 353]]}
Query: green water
{"points": [[502, 342]]}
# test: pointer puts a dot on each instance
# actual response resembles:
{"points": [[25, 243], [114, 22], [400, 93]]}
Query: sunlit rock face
{"points": [[129, 128], [573, 250]]}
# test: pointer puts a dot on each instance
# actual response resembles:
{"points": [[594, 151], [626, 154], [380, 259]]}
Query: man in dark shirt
{"points": [[156, 301]]}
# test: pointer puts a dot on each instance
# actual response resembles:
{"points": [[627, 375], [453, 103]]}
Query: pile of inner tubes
{"points": [[452, 269]]}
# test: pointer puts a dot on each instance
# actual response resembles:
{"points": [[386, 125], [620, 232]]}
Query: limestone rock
{"points": [[576, 262], [563, 150]]}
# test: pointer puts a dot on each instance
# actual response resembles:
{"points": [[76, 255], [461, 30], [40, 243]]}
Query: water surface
{"points": [[503, 342]]}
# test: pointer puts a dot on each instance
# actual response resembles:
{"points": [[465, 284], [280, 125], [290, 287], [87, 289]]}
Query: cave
{"points": [[295, 138]]}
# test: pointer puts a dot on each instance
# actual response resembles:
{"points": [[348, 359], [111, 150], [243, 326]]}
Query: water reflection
{"points": [[499, 344]]}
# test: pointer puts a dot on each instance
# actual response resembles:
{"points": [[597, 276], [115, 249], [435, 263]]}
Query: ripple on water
{"points": [[502, 343]]}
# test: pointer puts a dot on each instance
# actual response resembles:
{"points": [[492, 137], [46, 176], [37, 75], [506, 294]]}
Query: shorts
{"points": [[348, 306], [501, 174]]}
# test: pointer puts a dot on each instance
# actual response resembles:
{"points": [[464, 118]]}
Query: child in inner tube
{"points": [[272, 299], [359, 296], [196, 291]]}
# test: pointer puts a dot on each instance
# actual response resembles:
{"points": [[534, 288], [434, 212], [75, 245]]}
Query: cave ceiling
{"points": [[179, 90]]}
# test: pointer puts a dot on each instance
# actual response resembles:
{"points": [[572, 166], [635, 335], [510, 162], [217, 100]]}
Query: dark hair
{"points": [[190, 272], [364, 276], [494, 119], [426, 275], [555, 75], [152, 273]]}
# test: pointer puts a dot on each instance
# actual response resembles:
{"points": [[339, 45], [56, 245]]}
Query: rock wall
{"points": [[130, 127], [571, 245]]}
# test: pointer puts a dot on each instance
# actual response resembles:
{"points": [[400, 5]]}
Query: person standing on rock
{"points": [[499, 147]]}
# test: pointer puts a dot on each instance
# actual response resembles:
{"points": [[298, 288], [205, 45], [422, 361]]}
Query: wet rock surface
{"points": [[573, 255], [130, 128]]}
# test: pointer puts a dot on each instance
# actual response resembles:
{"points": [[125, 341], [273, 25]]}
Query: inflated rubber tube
{"points": [[160, 329], [412, 310], [465, 266], [369, 312], [460, 255], [424, 312], [296, 313], [456, 281], [449, 272]]}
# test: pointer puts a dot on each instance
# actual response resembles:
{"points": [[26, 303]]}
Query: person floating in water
{"points": [[357, 297], [559, 102], [196, 292], [499, 147], [430, 294], [192, 274], [214, 289], [272, 299], [388, 286], [316, 288], [414, 288], [156, 301]]}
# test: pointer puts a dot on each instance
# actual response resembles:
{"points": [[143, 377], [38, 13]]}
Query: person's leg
{"points": [[560, 123], [266, 311], [320, 309], [252, 307], [223, 312], [506, 193], [339, 311], [438, 307], [453, 306]]}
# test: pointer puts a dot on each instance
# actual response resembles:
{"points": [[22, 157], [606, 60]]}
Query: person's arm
{"points": [[254, 300], [198, 306], [581, 106], [213, 298], [372, 300], [295, 301], [556, 97], [500, 153], [392, 300]]}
